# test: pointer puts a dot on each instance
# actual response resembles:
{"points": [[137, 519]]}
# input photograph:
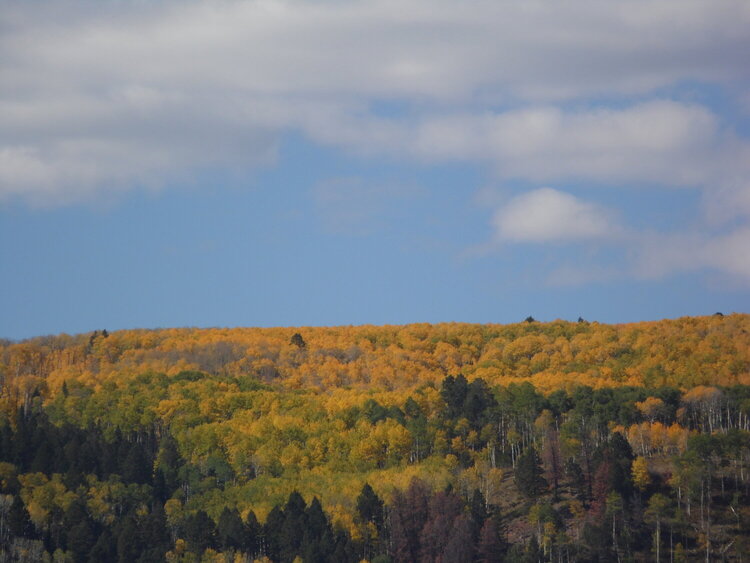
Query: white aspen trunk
{"points": [[658, 537]]}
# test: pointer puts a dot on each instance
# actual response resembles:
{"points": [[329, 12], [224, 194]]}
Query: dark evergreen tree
{"points": [[478, 509], [293, 529], [458, 394], [312, 552], [230, 530], [91, 456], [478, 403], [155, 535], [528, 474], [6, 442], [19, 521], [298, 341], [118, 450], [346, 549], [75, 513], [577, 479], [412, 408], [23, 446], [43, 461], [620, 448], [453, 392], [160, 489], [272, 533], [317, 522], [55, 533], [80, 540], [319, 542], [374, 411], [200, 532], [295, 505], [370, 506], [341, 555], [129, 543], [71, 452], [597, 543], [253, 534], [136, 467], [559, 402], [105, 548], [622, 457]]}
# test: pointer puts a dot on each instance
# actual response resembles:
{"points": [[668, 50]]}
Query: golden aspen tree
{"points": [[640, 473]]}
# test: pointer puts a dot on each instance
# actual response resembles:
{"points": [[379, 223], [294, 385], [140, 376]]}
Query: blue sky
{"points": [[323, 163]]}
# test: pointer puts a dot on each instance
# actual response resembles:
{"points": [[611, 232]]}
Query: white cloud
{"points": [[99, 99], [105, 97], [433, 48], [659, 143], [544, 216], [547, 215], [656, 142]]}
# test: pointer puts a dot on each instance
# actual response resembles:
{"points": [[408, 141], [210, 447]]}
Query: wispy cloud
{"points": [[661, 255]]}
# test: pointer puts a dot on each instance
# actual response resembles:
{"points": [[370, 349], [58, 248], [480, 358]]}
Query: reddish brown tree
{"points": [[459, 548], [408, 516], [601, 487], [552, 459], [443, 511], [491, 546]]}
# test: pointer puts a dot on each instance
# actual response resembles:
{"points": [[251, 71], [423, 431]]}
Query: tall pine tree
{"points": [[528, 474]]}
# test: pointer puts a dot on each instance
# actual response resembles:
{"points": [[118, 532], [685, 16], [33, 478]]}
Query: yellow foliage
{"points": [[175, 555], [42, 495], [212, 556], [173, 510], [690, 352], [651, 408], [641, 475], [293, 418], [648, 438]]}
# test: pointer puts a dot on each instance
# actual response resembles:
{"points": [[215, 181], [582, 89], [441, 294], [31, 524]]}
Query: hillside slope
{"points": [[684, 353], [234, 441]]}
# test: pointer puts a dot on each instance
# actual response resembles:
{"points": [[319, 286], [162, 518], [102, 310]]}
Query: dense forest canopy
{"points": [[683, 353], [450, 442]]}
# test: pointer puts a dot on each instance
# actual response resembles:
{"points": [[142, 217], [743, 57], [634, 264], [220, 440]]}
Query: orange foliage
{"points": [[685, 353]]}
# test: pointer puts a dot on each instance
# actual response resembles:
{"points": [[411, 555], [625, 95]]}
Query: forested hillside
{"points": [[454, 442]]}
